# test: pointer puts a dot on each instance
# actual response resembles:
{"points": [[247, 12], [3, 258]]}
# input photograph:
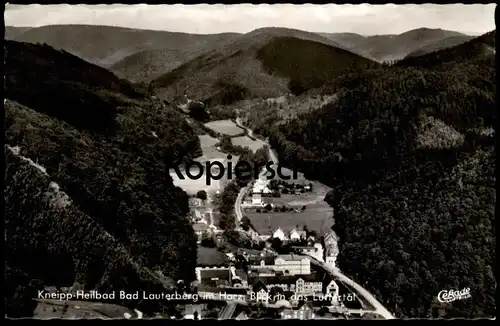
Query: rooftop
{"points": [[286, 279], [210, 274], [291, 257], [200, 227], [304, 247], [268, 260]]}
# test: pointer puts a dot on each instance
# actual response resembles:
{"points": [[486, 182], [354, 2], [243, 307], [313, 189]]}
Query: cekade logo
{"points": [[451, 295]]}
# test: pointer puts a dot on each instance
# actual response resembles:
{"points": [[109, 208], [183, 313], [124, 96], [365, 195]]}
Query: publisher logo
{"points": [[448, 296]]}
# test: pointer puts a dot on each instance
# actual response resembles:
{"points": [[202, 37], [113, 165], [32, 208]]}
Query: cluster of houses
{"points": [[265, 188], [290, 274], [290, 188], [203, 219], [327, 251]]}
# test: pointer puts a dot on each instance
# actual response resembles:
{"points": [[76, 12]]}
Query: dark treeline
{"points": [[47, 244], [127, 220], [409, 151]]}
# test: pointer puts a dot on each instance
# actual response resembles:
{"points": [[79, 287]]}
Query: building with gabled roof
{"points": [[290, 264], [304, 312]]}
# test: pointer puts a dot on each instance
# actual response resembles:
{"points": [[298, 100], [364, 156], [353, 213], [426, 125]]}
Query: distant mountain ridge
{"points": [[390, 47], [144, 55], [441, 44], [480, 48], [105, 45], [147, 65], [12, 32]]}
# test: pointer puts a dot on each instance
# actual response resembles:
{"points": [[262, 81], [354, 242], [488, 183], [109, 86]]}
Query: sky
{"points": [[363, 19]]}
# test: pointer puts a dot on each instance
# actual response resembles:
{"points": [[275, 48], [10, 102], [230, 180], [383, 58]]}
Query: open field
{"points": [[318, 215], [226, 127], [210, 153], [207, 144], [245, 141], [316, 197], [191, 187], [315, 217]]}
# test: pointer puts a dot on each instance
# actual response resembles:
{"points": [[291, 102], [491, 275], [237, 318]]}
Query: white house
{"points": [[332, 289], [257, 199], [260, 187], [280, 234], [303, 313], [304, 286], [331, 249], [292, 264], [296, 235]]}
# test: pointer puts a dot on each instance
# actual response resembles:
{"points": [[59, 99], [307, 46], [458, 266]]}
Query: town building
{"points": [[315, 251], [303, 313], [261, 187], [257, 199], [304, 285], [290, 235], [221, 283], [332, 289], [215, 276], [226, 276], [297, 235], [331, 249], [280, 234], [262, 272], [290, 264], [317, 287]]}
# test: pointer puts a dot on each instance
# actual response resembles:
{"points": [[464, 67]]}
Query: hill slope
{"points": [[263, 63], [409, 152], [85, 183], [146, 65], [390, 47], [477, 50], [441, 45], [12, 32], [105, 45]]}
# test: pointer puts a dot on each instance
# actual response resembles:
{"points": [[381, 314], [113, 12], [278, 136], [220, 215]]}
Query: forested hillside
{"points": [[409, 151], [264, 63], [477, 49], [441, 45], [121, 223]]}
